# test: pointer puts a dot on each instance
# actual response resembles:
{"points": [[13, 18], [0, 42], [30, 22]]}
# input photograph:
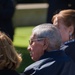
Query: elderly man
{"points": [[44, 46]]}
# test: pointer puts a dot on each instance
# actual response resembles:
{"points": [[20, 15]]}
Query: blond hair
{"points": [[68, 17], [9, 58]]}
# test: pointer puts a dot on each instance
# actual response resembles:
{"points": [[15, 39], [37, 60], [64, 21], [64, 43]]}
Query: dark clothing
{"points": [[52, 63], [7, 8], [57, 5], [70, 50], [8, 72]]}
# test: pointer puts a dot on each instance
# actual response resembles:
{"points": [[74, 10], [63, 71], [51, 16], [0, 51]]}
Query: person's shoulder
{"points": [[13, 72], [38, 65], [8, 72], [70, 46]]}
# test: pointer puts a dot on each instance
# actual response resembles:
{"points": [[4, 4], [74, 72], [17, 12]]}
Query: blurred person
{"points": [[7, 9], [44, 45], [9, 58], [56, 6], [65, 22]]}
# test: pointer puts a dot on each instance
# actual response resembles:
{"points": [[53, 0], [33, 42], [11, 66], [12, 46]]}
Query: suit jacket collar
{"points": [[57, 55]]}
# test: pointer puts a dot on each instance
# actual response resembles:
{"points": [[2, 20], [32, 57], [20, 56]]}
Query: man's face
{"points": [[36, 47]]}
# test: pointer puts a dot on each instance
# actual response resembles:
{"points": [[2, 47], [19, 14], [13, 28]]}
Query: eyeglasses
{"points": [[38, 39]]}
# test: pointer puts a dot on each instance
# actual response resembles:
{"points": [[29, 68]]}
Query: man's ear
{"points": [[71, 29], [46, 44]]}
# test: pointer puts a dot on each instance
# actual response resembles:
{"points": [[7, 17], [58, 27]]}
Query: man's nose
{"points": [[29, 48]]}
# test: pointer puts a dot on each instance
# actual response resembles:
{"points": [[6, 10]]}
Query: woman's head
{"points": [[9, 58], [65, 21]]}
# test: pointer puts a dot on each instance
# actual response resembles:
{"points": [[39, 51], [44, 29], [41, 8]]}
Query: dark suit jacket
{"points": [[8, 72], [70, 50], [52, 63]]}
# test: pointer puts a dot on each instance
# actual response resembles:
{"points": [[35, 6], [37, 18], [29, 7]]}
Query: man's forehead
{"points": [[32, 36]]}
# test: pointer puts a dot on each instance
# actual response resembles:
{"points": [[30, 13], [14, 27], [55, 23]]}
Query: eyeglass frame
{"points": [[37, 39]]}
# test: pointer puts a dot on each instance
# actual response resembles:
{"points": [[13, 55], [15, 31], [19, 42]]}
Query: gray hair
{"points": [[49, 31]]}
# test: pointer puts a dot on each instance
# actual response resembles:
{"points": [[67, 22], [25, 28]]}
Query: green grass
{"points": [[21, 36], [20, 42]]}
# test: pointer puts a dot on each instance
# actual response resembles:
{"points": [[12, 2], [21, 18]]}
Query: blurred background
{"points": [[30, 12], [30, 1]]}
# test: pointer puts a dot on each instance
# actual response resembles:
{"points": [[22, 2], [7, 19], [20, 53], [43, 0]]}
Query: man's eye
{"points": [[30, 42]]}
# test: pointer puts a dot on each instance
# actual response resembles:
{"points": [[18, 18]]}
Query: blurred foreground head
{"points": [[9, 58]]}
